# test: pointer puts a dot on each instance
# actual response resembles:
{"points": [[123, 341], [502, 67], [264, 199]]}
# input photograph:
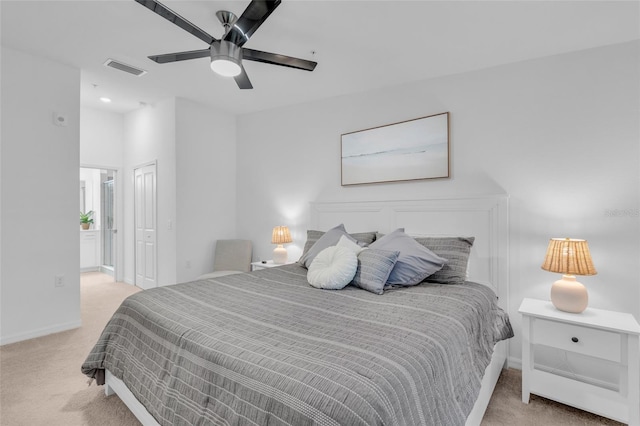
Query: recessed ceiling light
{"points": [[105, 100]]}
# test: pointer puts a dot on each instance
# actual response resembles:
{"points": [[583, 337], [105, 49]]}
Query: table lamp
{"points": [[280, 236], [569, 257]]}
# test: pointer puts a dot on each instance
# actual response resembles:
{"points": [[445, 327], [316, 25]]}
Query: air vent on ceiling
{"points": [[124, 67]]}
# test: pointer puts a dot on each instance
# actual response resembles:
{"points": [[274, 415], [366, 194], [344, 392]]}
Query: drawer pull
{"points": [[574, 339]]}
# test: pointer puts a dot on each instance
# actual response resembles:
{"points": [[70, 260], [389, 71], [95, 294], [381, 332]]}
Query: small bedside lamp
{"points": [[569, 257], [280, 236]]}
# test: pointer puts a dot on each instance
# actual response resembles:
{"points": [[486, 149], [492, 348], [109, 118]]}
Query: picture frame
{"points": [[414, 149]]}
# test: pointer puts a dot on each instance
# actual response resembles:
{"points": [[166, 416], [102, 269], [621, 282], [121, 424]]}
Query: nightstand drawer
{"points": [[587, 341]]}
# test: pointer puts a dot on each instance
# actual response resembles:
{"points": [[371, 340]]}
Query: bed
{"points": [[267, 348]]}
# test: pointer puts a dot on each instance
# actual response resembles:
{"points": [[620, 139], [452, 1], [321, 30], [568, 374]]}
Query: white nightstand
{"points": [[607, 335], [259, 265]]}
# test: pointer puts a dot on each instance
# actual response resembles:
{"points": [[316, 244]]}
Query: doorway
{"points": [[108, 229], [98, 202]]}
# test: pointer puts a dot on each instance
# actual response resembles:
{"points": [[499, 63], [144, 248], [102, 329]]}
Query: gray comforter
{"points": [[265, 348]]}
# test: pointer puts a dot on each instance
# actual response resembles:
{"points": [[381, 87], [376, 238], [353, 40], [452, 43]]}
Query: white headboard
{"points": [[484, 217]]}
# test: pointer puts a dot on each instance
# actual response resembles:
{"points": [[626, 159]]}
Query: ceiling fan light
{"points": [[225, 58], [225, 68]]}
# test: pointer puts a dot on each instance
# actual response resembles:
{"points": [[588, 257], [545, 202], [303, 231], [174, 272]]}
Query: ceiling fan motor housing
{"points": [[226, 58]]}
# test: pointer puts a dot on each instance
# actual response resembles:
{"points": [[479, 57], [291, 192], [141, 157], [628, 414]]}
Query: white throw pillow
{"points": [[333, 268], [349, 244]]}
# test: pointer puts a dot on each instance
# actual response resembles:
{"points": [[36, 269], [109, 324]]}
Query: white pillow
{"points": [[333, 268], [350, 244]]}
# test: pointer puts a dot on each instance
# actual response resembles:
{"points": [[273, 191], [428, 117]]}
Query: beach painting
{"points": [[410, 150]]}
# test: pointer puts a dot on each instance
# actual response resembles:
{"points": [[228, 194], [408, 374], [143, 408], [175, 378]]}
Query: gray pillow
{"points": [[415, 262], [312, 237], [456, 250], [374, 267], [328, 239], [363, 239]]}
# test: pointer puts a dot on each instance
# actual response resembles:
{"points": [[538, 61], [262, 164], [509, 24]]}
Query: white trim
{"points": [[40, 332], [514, 362]]}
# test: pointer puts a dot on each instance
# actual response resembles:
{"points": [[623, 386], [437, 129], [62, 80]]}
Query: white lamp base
{"points": [[569, 295], [280, 255]]}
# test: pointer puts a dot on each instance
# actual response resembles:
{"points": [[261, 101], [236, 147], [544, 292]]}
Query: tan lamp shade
{"points": [[280, 236], [569, 257]]}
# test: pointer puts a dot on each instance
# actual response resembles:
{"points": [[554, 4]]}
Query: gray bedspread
{"points": [[265, 348]]}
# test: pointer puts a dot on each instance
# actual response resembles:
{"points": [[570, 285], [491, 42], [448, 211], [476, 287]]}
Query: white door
{"points": [[145, 226]]}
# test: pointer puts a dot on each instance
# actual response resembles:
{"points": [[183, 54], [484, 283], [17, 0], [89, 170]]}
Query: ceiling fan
{"points": [[227, 53]]}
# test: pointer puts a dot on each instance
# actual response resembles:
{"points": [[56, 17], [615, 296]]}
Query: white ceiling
{"points": [[359, 45]]}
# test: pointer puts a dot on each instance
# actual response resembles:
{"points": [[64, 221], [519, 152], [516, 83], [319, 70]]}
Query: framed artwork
{"points": [[409, 150]]}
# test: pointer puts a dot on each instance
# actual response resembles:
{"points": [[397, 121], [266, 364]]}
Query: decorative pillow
{"points": [[328, 239], [374, 267], [415, 262], [456, 250], [346, 242], [363, 238], [318, 241], [312, 237], [333, 268]]}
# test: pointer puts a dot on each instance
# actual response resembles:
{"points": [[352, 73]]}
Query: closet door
{"points": [[145, 226]]}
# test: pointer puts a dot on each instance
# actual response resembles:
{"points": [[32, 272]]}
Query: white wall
{"points": [[102, 146], [150, 136], [559, 135], [194, 147], [101, 138], [39, 191], [205, 185]]}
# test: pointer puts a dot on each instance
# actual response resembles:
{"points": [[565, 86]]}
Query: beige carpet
{"points": [[41, 383]]}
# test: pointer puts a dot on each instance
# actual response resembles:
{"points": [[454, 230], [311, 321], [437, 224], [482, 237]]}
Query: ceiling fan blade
{"points": [[276, 59], [181, 56], [243, 79], [250, 20], [171, 16]]}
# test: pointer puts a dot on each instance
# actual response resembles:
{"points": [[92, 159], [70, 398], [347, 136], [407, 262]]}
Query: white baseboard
{"points": [[128, 280], [106, 270], [515, 363], [19, 337]]}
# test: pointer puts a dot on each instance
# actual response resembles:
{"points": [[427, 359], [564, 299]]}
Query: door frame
{"points": [[118, 199], [153, 163]]}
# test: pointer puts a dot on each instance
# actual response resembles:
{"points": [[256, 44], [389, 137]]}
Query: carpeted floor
{"points": [[41, 383]]}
